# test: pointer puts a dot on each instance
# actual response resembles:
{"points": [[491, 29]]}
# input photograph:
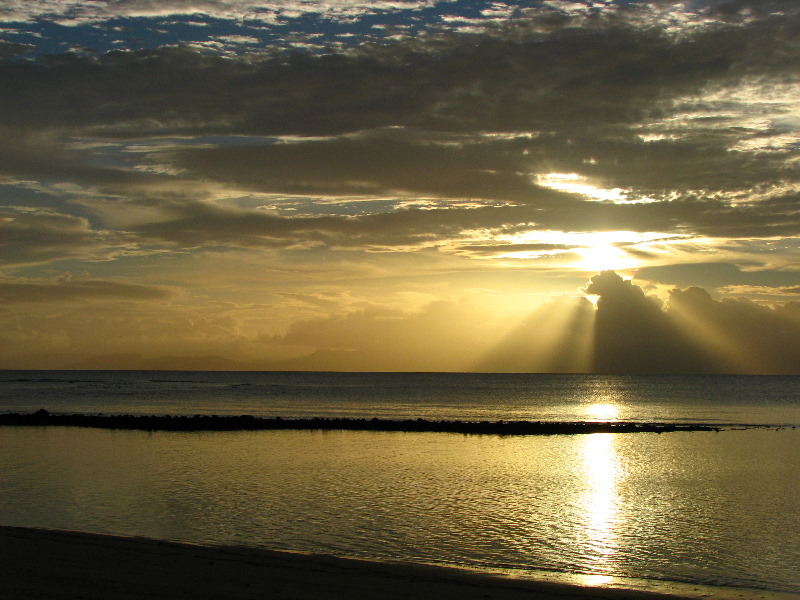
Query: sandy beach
{"points": [[45, 564]]}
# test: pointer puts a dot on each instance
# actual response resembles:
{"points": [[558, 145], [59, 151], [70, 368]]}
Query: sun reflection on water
{"points": [[602, 412], [597, 580], [601, 470]]}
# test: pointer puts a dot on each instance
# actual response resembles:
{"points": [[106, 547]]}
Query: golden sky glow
{"points": [[205, 192]]}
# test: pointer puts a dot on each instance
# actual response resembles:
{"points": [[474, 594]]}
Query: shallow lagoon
{"points": [[701, 508]]}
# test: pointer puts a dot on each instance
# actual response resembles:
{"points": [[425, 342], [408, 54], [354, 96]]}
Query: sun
{"points": [[603, 257], [592, 251]]}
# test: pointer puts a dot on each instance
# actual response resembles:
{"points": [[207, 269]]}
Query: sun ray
{"points": [[558, 337], [715, 340]]}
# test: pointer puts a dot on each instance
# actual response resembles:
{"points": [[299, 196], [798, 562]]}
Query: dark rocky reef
{"points": [[250, 423]]}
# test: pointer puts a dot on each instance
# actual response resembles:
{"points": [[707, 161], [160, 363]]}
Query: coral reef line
{"points": [[250, 423]]}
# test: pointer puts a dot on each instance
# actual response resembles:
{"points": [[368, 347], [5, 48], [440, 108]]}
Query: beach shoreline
{"points": [[60, 565]]}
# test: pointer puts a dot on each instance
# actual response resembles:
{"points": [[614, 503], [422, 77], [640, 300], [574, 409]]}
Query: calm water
{"points": [[719, 509], [712, 399]]}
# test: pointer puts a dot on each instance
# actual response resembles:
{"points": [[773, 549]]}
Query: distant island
{"points": [[249, 423]]}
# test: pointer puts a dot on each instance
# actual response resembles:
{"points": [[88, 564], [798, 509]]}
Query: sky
{"points": [[400, 185]]}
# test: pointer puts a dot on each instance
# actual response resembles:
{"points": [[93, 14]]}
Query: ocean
{"points": [[681, 510]]}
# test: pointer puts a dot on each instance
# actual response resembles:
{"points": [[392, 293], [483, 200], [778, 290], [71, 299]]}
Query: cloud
{"points": [[717, 275], [196, 223], [11, 49], [692, 334], [633, 334], [510, 79], [31, 154], [511, 249], [87, 10], [626, 106], [69, 291], [38, 237], [628, 332], [453, 117], [442, 336], [92, 320], [389, 163], [760, 290], [427, 156], [744, 336]]}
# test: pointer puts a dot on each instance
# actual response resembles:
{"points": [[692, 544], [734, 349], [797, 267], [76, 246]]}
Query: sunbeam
{"points": [[557, 338]]}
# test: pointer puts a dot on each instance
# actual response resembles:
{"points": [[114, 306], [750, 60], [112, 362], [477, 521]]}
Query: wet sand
{"points": [[57, 565]]}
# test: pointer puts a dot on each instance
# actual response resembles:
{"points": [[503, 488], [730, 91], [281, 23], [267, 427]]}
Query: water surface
{"points": [[698, 508], [709, 508], [678, 398]]}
